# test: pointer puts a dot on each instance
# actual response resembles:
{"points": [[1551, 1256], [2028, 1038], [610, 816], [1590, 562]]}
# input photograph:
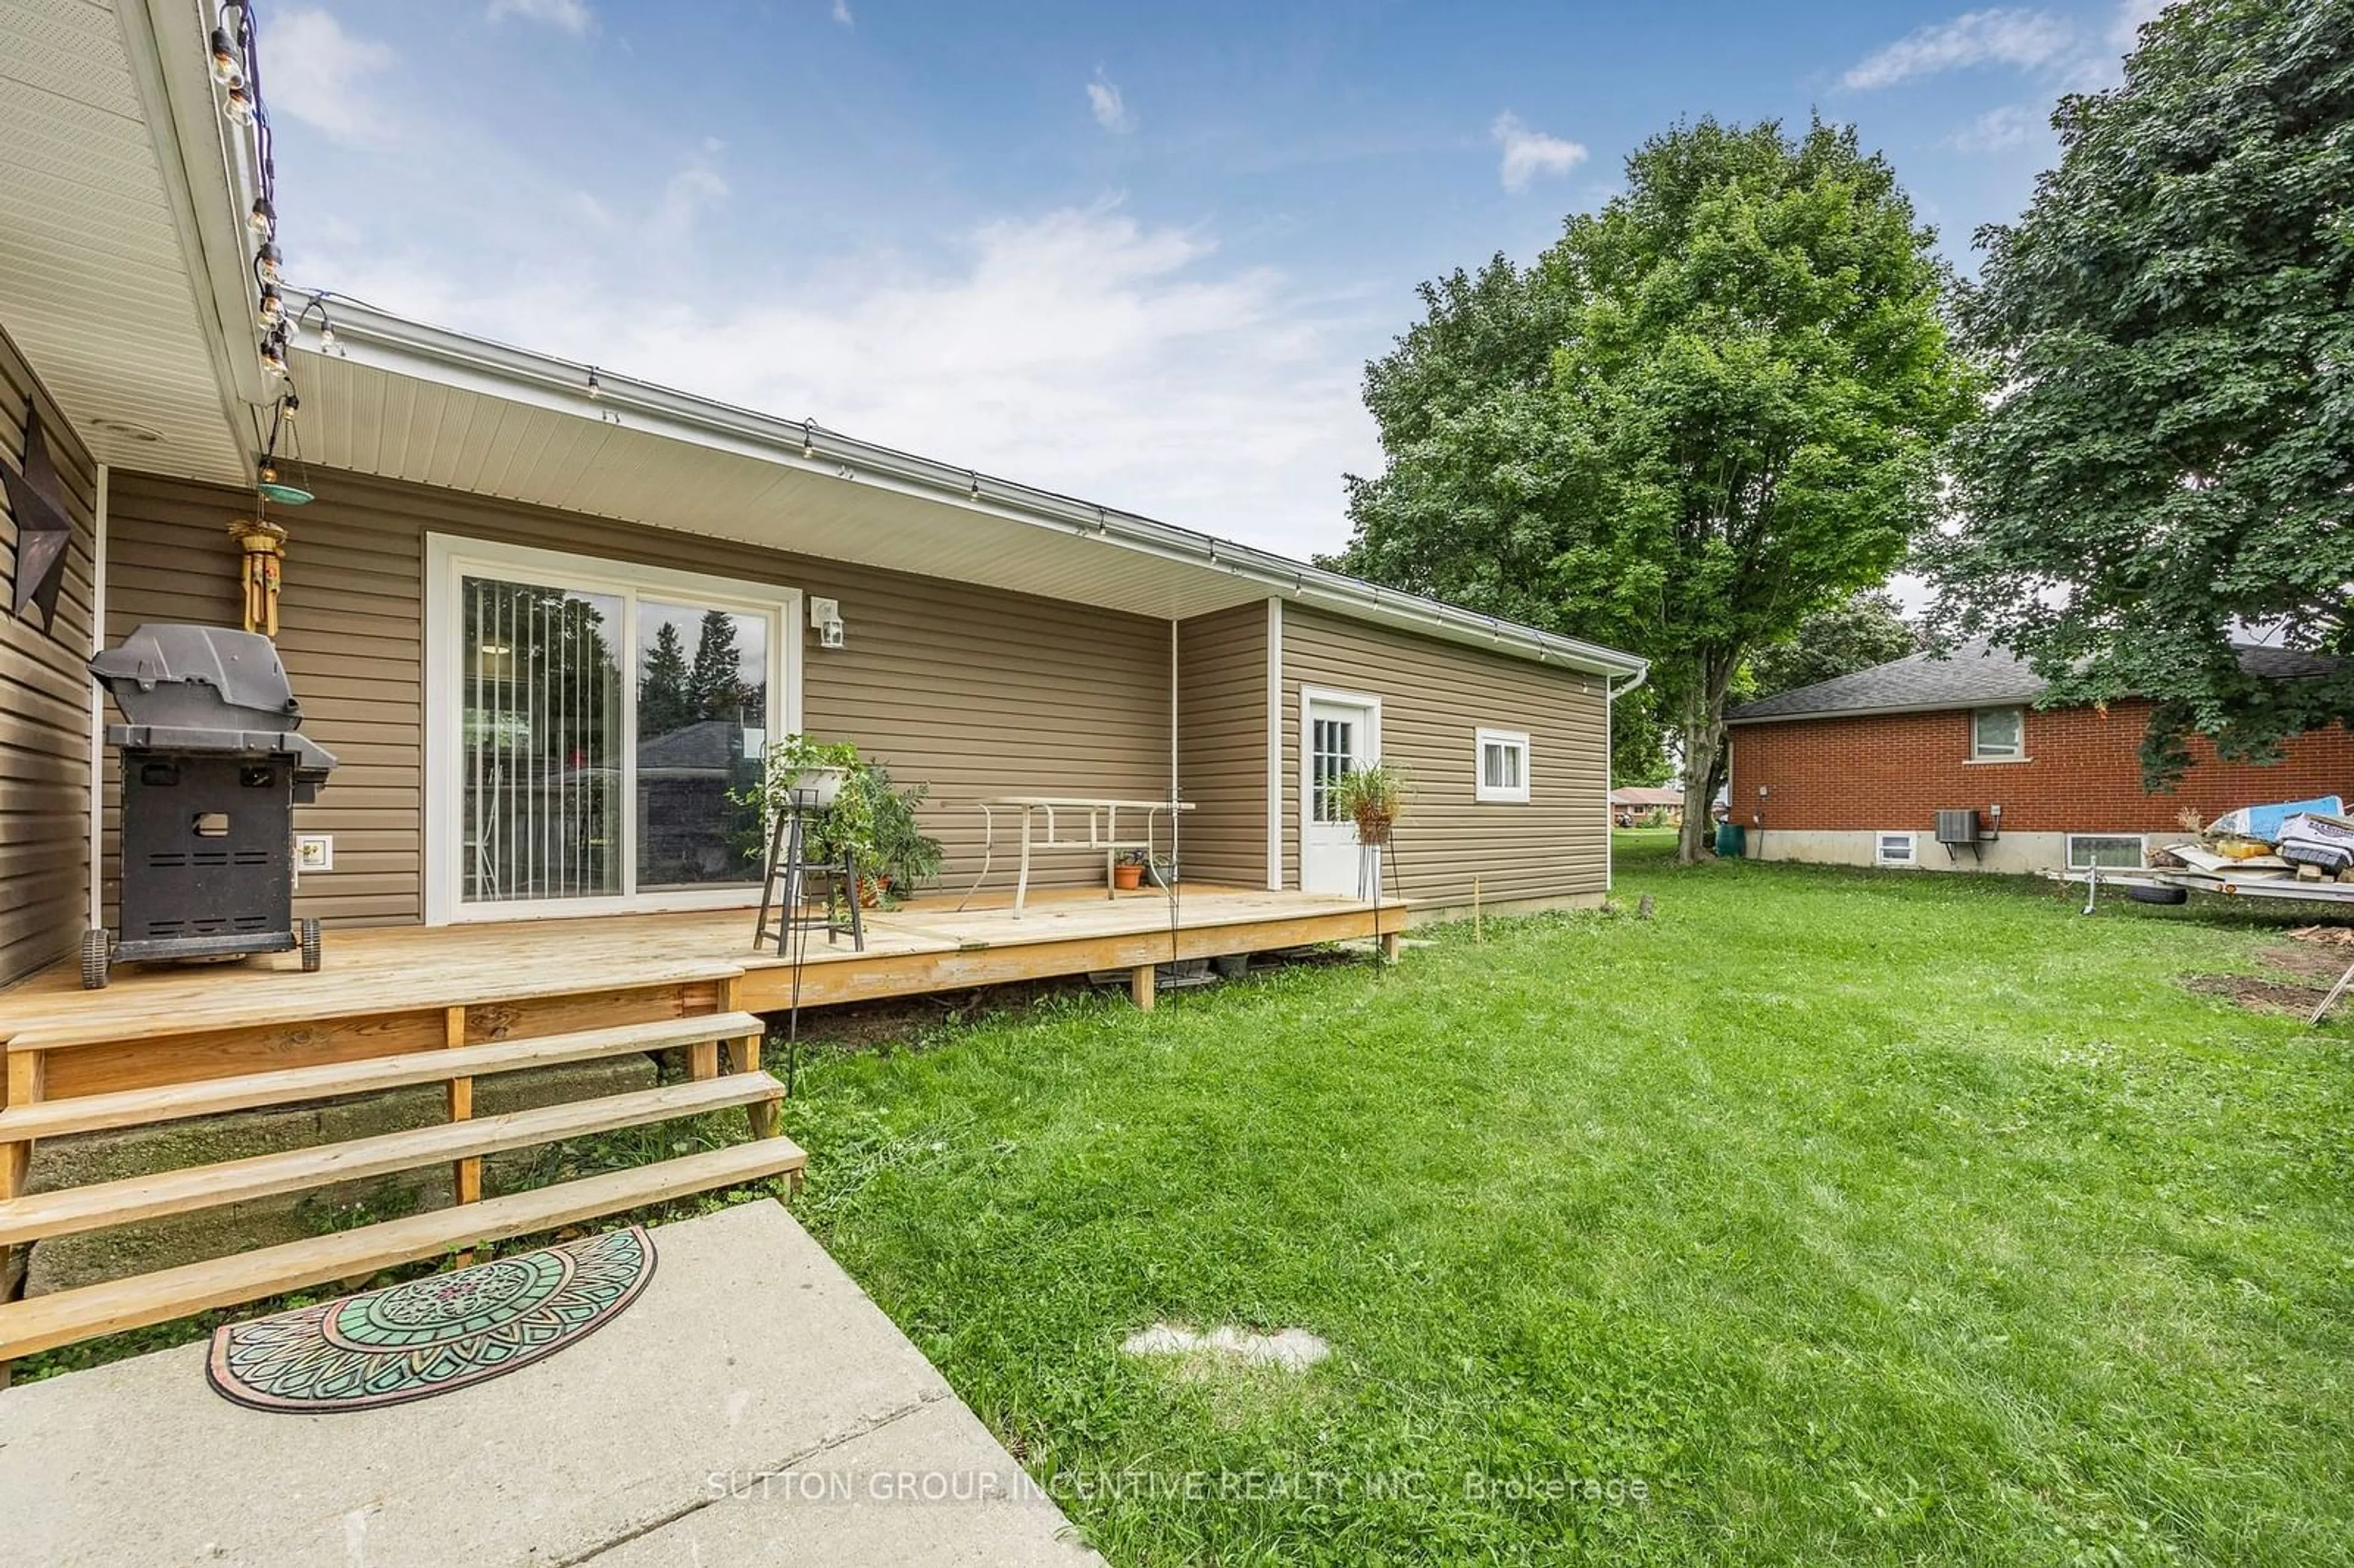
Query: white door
{"points": [[1338, 734]]}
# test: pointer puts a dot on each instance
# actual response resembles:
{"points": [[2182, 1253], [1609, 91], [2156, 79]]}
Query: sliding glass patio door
{"points": [[592, 726]]}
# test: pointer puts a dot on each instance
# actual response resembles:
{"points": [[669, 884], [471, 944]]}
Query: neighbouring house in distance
{"points": [[1856, 770], [1635, 803]]}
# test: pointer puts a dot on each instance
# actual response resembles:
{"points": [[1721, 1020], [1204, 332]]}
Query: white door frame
{"points": [[448, 559], [1308, 697]]}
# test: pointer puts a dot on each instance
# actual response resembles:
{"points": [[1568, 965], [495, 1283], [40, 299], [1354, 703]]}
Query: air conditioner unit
{"points": [[1958, 827]]}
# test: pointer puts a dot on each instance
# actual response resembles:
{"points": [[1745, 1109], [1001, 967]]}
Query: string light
{"points": [[272, 311], [595, 388], [224, 57], [268, 264], [273, 355], [808, 438], [263, 220], [239, 105]]}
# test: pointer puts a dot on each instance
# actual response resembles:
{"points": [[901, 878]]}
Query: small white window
{"points": [[2110, 852], [1891, 849], [1503, 766], [1999, 735]]}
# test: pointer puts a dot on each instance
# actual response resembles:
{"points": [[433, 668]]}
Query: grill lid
{"points": [[199, 677]]}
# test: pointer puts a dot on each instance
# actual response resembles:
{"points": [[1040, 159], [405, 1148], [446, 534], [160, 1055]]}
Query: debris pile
{"points": [[2306, 840]]}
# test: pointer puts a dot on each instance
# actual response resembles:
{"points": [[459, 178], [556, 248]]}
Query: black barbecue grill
{"points": [[212, 770]]}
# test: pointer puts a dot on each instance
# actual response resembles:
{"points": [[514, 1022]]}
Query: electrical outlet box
{"points": [[314, 852]]}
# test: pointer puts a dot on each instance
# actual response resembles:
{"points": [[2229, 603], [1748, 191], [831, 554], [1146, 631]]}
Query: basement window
{"points": [[1503, 767], [2110, 852], [1893, 849], [1999, 735]]}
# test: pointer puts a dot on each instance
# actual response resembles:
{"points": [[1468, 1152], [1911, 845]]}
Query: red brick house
{"points": [[1854, 771]]}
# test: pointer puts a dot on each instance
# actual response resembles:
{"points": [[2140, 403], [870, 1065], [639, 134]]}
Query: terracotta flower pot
{"points": [[1126, 876]]}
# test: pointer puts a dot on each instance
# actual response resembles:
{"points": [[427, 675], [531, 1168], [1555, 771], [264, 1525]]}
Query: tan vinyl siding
{"points": [[45, 708], [1435, 695], [1221, 743], [972, 691]]}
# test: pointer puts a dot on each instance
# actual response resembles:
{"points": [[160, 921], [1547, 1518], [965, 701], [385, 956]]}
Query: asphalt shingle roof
{"points": [[1976, 674]]}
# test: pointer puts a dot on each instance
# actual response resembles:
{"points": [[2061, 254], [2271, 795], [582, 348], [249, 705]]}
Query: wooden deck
{"points": [[448, 1005], [386, 990]]}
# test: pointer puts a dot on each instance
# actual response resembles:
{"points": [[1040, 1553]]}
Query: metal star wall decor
{"points": [[37, 499]]}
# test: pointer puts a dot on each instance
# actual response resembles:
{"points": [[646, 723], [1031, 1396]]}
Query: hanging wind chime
{"points": [[263, 540]]}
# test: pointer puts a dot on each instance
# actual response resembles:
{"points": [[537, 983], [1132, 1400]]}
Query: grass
{"points": [[1870, 1217]]}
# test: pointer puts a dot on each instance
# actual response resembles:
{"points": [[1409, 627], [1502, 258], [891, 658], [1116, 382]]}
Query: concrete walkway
{"points": [[752, 1407]]}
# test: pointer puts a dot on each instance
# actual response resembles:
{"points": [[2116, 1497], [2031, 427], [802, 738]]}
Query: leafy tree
{"points": [[2171, 461], [715, 687], [1710, 409], [1638, 743], [1863, 629], [663, 704]]}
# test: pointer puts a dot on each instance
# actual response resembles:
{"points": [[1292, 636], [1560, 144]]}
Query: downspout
{"points": [[1610, 695], [98, 704]]}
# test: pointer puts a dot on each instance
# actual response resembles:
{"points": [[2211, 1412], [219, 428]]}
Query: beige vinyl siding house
{"points": [[1433, 700], [972, 691], [1221, 739], [45, 704]]}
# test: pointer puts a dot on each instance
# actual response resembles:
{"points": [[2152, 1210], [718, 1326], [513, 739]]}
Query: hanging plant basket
{"points": [[1373, 827]]}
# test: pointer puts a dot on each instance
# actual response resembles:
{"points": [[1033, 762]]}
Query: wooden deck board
{"points": [[375, 975]]}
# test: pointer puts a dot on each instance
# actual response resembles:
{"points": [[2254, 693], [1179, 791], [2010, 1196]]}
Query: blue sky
{"points": [[1141, 254]]}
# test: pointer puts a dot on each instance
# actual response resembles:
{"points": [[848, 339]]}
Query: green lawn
{"points": [[1875, 1217]]}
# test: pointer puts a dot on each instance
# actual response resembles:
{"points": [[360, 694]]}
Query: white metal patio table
{"points": [[1062, 815]]}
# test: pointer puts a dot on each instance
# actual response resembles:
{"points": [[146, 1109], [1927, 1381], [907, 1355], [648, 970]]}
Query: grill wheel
{"points": [[97, 954]]}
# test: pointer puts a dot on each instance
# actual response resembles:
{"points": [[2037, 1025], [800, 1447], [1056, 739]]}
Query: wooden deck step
{"points": [[44, 1323], [136, 1108], [36, 1215]]}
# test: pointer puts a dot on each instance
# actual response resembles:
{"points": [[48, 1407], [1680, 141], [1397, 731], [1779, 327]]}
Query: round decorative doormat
{"points": [[432, 1335]]}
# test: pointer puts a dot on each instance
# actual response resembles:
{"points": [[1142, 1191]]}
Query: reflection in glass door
{"points": [[539, 764], [702, 715]]}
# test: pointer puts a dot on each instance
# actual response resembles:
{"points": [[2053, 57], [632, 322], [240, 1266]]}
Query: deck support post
{"points": [[465, 1175], [1391, 946], [761, 1115], [1142, 986], [25, 1085]]}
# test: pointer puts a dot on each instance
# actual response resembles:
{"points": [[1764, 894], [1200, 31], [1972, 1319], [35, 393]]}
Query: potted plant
{"points": [[1372, 796], [803, 773], [1127, 871], [894, 854]]}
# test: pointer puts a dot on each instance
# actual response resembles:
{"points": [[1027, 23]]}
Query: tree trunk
{"points": [[1700, 765], [1703, 740]]}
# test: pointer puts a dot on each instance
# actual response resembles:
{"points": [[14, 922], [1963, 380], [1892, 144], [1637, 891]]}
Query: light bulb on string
{"points": [[224, 57], [268, 264], [263, 219], [273, 355], [272, 309], [239, 106]]}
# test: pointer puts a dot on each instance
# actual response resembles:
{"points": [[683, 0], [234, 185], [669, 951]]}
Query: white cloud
{"points": [[573, 16], [691, 191], [2012, 37], [319, 74], [1528, 153], [1999, 129], [842, 13], [1111, 109], [1081, 350]]}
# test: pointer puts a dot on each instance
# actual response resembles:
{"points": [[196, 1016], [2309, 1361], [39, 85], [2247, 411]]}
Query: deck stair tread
{"points": [[43, 1322], [36, 1215], [288, 1086]]}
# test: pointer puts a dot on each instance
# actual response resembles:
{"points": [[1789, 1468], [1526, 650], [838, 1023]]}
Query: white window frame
{"points": [[2073, 862], [1979, 754], [1880, 856], [1497, 794], [448, 558]]}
